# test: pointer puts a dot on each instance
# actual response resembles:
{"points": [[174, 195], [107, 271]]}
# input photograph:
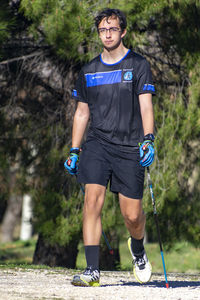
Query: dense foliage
{"points": [[167, 34]]}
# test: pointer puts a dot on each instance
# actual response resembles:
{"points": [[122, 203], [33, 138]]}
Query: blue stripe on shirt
{"points": [[101, 78], [149, 87], [74, 93]]}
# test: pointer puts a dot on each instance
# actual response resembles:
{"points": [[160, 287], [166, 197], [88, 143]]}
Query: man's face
{"points": [[110, 33]]}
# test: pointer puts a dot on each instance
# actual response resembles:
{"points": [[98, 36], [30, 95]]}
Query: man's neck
{"points": [[113, 56]]}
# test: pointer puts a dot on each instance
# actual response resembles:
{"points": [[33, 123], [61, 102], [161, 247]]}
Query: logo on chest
{"points": [[128, 75]]}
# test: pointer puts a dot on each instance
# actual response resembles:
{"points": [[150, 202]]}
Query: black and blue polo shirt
{"points": [[112, 93]]}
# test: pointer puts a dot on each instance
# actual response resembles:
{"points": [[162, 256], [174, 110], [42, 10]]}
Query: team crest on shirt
{"points": [[128, 75]]}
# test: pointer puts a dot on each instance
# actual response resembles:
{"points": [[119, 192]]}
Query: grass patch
{"points": [[182, 258], [18, 252]]}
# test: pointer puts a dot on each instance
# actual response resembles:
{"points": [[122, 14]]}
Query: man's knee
{"points": [[91, 202], [133, 219], [94, 198]]}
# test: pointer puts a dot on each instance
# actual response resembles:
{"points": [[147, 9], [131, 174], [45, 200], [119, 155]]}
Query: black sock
{"points": [[137, 246], [92, 256]]}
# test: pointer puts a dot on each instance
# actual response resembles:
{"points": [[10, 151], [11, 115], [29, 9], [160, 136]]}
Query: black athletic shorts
{"points": [[100, 163]]}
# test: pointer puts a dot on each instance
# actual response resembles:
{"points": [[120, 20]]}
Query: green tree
{"points": [[66, 25], [35, 126], [167, 34], [7, 20], [63, 27]]}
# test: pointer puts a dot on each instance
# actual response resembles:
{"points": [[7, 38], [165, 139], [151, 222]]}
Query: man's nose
{"points": [[108, 33]]}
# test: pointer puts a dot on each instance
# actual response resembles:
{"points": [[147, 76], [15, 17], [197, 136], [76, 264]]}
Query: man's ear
{"points": [[124, 33]]}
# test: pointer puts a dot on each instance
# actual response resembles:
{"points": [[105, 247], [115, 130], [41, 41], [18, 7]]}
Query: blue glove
{"points": [[147, 151], [71, 163]]}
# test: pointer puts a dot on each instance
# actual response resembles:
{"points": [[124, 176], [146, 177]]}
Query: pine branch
{"points": [[24, 57]]}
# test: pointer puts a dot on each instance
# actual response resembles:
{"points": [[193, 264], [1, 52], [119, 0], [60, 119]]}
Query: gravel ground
{"points": [[52, 284]]}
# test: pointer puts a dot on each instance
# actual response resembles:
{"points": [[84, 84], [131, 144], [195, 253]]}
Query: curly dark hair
{"points": [[109, 12]]}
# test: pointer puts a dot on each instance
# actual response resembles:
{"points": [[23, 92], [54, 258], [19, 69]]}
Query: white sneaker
{"points": [[88, 278], [141, 266]]}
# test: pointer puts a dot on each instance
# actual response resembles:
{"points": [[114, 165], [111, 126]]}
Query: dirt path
{"points": [[52, 284]]}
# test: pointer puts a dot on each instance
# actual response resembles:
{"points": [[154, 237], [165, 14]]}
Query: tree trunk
{"points": [[27, 213], [13, 210], [55, 256], [11, 217], [109, 261], [110, 256]]}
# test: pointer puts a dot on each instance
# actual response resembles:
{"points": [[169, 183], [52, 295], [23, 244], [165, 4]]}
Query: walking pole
{"points": [[157, 225], [111, 251]]}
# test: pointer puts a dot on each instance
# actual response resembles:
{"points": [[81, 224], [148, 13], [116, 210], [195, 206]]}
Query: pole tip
{"points": [[167, 285]]}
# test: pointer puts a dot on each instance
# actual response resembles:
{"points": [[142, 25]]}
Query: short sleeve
{"points": [[144, 82], [80, 92]]}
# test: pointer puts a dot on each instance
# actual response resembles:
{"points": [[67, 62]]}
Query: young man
{"points": [[115, 91]]}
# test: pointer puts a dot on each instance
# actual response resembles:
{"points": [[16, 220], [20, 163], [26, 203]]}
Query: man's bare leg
{"points": [[135, 219], [92, 230], [93, 204], [134, 216]]}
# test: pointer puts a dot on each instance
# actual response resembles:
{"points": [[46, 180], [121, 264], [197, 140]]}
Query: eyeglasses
{"points": [[111, 30]]}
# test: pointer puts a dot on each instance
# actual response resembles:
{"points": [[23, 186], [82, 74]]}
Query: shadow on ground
{"points": [[159, 284]]}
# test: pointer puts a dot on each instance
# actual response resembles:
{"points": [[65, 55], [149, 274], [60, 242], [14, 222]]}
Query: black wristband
{"points": [[149, 137], [75, 150]]}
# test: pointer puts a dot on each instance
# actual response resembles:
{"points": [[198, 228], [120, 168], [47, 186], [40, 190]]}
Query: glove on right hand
{"points": [[71, 163], [147, 150]]}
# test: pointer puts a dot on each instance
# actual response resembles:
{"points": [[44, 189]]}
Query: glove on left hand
{"points": [[147, 151], [71, 163]]}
